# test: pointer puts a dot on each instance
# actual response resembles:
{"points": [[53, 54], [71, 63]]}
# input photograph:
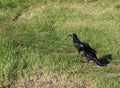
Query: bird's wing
{"points": [[85, 44], [93, 50], [97, 61], [88, 47], [81, 46], [92, 56]]}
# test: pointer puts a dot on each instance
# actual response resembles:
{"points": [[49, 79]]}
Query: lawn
{"points": [[35, 52]]}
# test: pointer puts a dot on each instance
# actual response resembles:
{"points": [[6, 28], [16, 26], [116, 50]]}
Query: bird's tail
{"points": [[97, 61]]}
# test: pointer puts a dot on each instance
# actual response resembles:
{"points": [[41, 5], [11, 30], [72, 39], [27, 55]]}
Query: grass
{"points": [[34, 50]]}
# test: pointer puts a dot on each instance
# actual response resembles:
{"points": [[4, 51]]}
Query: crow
{"points": [[88, 52], [77, 43]]}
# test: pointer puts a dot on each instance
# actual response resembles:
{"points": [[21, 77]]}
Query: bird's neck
{"points": [[75, 39]]}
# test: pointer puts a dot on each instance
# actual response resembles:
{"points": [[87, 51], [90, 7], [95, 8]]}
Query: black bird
{"points": [[88, 52], [77, 43]]}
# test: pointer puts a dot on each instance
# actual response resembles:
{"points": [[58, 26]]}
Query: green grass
{"points": [[37, 39]]}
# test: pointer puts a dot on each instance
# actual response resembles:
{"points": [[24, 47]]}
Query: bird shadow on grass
{"points": [[106, 59]]}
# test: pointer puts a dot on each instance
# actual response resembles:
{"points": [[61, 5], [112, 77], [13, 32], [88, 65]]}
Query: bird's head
{"points": [[72, 35]]}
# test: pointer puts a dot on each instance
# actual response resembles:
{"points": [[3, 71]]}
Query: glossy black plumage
{"points": [[77, 43], [88, 52]]}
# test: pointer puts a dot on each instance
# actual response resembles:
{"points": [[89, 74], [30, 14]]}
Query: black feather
{"points": [[88, 52]]}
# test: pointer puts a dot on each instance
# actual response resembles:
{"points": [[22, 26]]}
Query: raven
{"points": [[88, 52], [77, 43]]}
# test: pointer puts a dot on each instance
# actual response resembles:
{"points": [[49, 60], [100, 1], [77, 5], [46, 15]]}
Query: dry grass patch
{"points": [[53, 80], [113, 74]]}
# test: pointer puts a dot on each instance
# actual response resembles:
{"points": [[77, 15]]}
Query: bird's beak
{"points": [[69, 35]]}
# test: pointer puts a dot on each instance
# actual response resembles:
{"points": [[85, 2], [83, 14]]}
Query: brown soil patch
{"points": [[71, 53], [114, 65], [113, 74]]}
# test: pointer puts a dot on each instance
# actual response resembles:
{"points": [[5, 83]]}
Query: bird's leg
{"points": [[78, 53], [87, 61], [82, 54]]}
